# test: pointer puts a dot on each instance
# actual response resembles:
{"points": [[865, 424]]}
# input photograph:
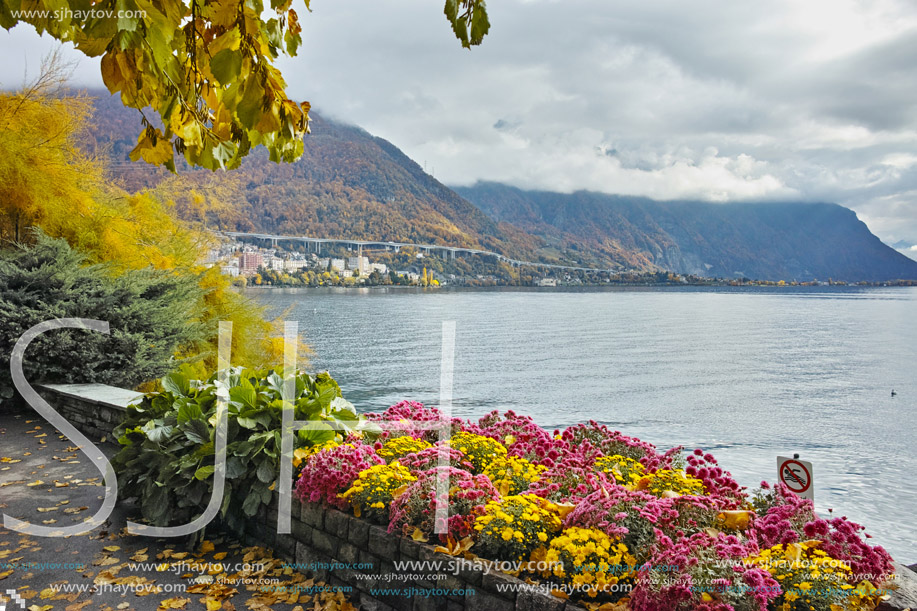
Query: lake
{"points": [[747, 374]]}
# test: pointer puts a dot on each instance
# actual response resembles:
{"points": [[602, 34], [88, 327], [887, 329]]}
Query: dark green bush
{"points": [[152, 314]]}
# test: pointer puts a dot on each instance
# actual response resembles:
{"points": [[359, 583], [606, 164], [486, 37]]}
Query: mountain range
{"points": [[351, 184], [768, 240]]}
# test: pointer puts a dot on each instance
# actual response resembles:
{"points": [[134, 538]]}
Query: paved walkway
{"points": [[45, 480]]}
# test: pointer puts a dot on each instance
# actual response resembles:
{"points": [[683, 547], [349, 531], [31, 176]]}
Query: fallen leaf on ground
{"points": [[418, 535]]}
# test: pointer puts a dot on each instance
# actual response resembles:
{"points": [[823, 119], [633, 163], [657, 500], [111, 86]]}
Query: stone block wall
{"points": [[343, 550], [94, 409]]}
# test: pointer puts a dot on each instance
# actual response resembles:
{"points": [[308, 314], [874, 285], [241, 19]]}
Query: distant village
{"points": [[252, 265], [256, 266]]}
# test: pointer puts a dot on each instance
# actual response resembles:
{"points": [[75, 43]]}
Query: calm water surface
{"points": [[745, 373]]}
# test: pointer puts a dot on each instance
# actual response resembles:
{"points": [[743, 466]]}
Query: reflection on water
{"points": [[746, 374]]}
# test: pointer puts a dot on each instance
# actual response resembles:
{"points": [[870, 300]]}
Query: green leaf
{"points": [[177, 384], [234, 467], [265, 471], [252, 502], [316, 435], [480, 24], [197, 431], [248, 423], [158, 434], [204, 472], [188, 411], [245, 394], [205, 450], [249, 108], [226, 65]]}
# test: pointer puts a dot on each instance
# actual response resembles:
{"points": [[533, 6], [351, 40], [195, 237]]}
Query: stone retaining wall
{"points": [[344, 550], [94, 409]]}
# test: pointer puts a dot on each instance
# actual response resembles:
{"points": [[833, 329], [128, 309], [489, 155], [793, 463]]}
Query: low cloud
{"points": [[716, 100]]}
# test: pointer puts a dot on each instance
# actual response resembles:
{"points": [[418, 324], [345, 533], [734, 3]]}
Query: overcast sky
{"points": [[810, 100]]}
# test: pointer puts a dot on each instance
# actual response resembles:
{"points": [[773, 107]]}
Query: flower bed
{"points": [[597, 516]]}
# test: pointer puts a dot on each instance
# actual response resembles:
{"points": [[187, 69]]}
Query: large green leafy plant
{"points": [[168, 439]]}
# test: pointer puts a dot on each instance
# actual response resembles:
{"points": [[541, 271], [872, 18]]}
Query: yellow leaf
{"points": [[418, 535], [794, 551], [212, 604], [219, 556], [560, 594], [155, 152], [453, 547], [42, 608], [111, 548], [174, 603], [37, 482], [207, 547], [5, 574], [737, 519]]}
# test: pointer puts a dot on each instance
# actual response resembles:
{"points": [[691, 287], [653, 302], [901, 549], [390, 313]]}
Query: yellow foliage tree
{"points": [[46, 181], [206, 67]]}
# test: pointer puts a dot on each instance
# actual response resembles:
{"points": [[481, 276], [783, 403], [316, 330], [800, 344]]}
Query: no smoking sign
{"points": [[796, 475]]}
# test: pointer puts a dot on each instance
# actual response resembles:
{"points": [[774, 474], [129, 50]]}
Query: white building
{"points": [[277, 264], [229, 270], [359, 265], [294, 264], [382, 268], [337, 265]]}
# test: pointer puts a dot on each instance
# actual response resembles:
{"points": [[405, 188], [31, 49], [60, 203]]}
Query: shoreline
{"points": [[592, 288]]}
